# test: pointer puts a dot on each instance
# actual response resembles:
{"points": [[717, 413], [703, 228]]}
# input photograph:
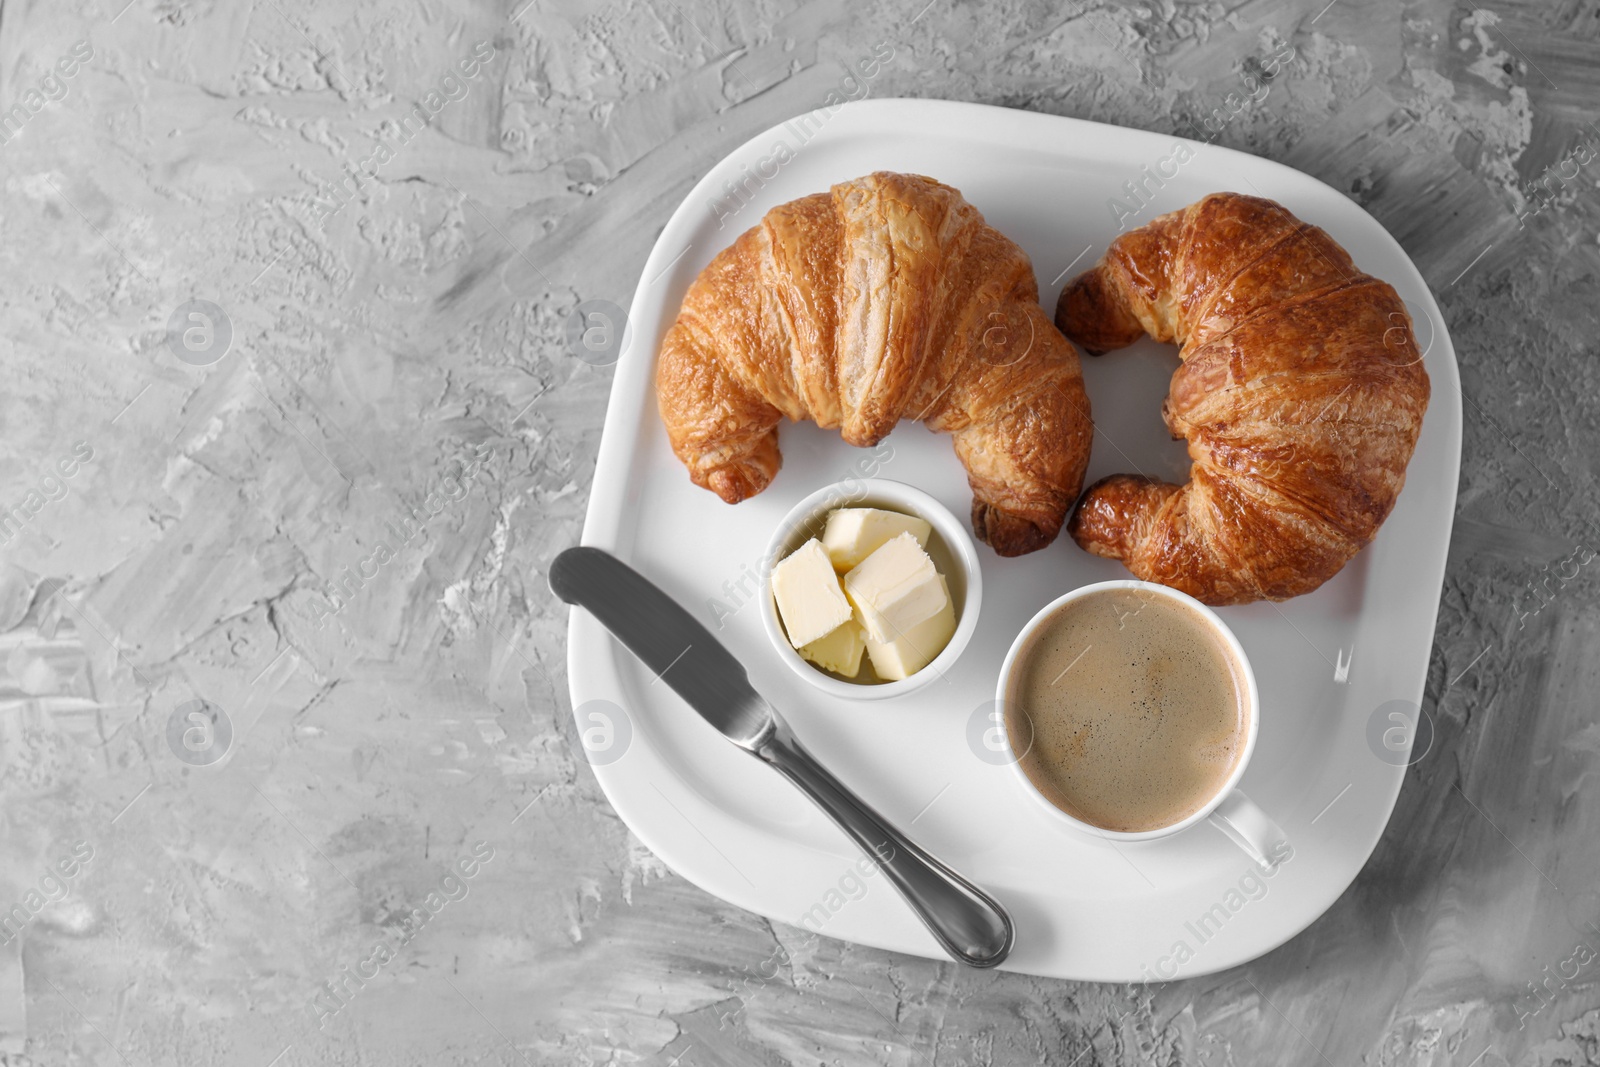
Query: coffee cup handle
{"points": [[1250, 828]]}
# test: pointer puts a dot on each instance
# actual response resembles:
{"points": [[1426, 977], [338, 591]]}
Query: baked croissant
{"points": [[1301, 394], [886, 298]]}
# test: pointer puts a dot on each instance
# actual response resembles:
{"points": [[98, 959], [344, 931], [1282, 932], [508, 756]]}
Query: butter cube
{"points": [[853, 534], [808, 596], [917, 647], [840, 651], [895, 588]]}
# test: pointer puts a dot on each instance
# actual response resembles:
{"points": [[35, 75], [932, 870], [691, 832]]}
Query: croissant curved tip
{"points": [[731, 484], [1114, 514], [1007, 533], [1092, 315], [740, 475]]}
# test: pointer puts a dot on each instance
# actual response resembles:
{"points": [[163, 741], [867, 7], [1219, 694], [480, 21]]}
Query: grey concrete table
{"points": [[286, 282]]}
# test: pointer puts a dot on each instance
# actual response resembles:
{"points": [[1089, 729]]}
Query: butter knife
{"points": [[968, 923]]}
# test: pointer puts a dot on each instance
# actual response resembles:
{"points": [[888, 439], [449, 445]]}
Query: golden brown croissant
{"points": [[887, 297], [1301, 394]]}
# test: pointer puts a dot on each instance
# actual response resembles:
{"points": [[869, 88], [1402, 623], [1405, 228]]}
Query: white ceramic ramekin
{"points": [[950, 546]]}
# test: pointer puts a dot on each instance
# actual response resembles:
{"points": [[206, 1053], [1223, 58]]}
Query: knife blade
{"points": [[669, 640]]}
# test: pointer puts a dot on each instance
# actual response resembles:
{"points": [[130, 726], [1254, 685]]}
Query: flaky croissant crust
{"points": [[886, 298], [1301, 394]]}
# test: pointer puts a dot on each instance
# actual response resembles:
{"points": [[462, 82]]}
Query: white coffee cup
{"points": [[1235, 814]]}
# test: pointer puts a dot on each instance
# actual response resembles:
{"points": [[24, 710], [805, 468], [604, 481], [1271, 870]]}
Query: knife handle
{"points": [[966, 921]]}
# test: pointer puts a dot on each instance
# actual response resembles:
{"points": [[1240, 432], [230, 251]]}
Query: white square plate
{"points": [[1334, 667]]}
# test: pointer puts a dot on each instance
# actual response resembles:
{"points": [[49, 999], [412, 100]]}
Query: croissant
{"points": [[886, 298], [1301, 394]]}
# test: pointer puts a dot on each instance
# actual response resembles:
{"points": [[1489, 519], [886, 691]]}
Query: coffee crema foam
{"points": [[1128, 708]]}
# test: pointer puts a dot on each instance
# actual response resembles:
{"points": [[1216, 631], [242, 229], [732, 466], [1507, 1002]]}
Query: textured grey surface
{"points": [[397, 359]]}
